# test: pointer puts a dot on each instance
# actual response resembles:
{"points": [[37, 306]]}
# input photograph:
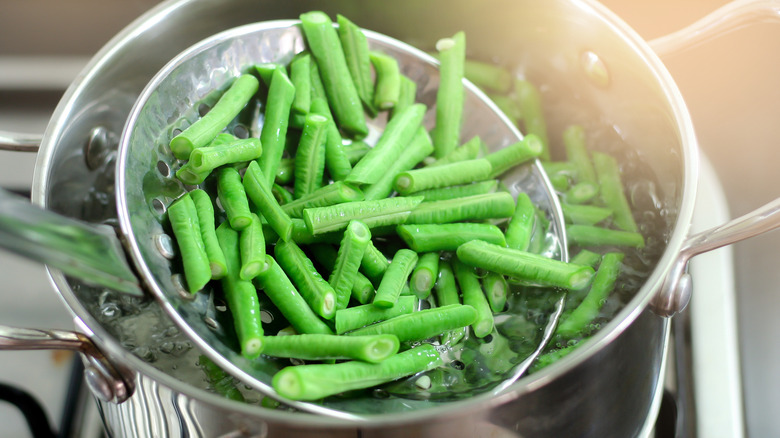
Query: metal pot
{"points": [[580, 52]]}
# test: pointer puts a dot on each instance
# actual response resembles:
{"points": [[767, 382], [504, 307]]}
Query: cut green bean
{"points": [[277, 116], [362, 289], [577, 154], [208, 158], [241, 296], [447, 237], [222, 382], [262, 197], [317, 89], [310, 157], [331, 194], [460, 172], [586, 258], [446, 294], [285, 173], [488, 75], [373, 213], [581, 193], [424, 274], [508, 105], [471, 290], [450, 95], [467, 151], [300, 76], [424, 324], [187, 173], [183, 217], [587, 235], [478, 188], [520, 228], [356, 238], [285, 297], [232, 196], [324, 44], [336, 160], [395, 278], [282, 195], [355, 46], [551, 357], [252, 248], [407, 95], [496, 290], [525, 266], [356, 317], [517, 153], [388, 80], [372, 349], [205, 211], [530, 104], [612, 194], [374, 263], [312, 287], [266, 71], [300, 234], [585, 214], [420, 147], [316, 381], [488, 206], [204, 130], [355, 151], [574, 323], [391, 144]]}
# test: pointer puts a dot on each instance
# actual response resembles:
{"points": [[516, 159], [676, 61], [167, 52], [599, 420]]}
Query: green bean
{"points": [[466, 151], [521, 227], [183, 217], [509, 106], [372, 213], [391, 144], [586, 258], [336, 159], [587, 235], [395, 278], [355, 151], [222, 382], [574, 323], [424, 274], [473, 296], [577, 154], [551, 357], [262, 197], [506, 158], [285, 172], [282, 195], [316, 381], [356, 53], [317, 89], [423, 324], [187, 173], [450, 95], [266, 71], [233, 198], [241, 296], [323, 42], [585, 214], [310, 157], [356, 237], [362, 289], [252, 249], [370, 349], [478, 188], [208, 158], [461, 172], [487, 206], [388, 80], [496, 290], [524, 266], [300, 234], [530, 104], [581, 193], [300, 76], [204, 130], [612, 194], [312, 287], [488, 75], [374, 263], [356, 317], [447, 237], [446, 293], [205, 211], [331, 194], [418, 149], [285, 297], [277, 116], [407, 95]]}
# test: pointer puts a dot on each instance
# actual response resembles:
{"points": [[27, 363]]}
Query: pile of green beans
{"points": [[366, 251]]}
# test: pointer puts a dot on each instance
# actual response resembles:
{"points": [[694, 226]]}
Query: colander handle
{"points": [[16, 141], [89, 252]]}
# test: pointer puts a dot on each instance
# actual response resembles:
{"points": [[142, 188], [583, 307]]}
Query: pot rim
{"points": [[484, 402]]}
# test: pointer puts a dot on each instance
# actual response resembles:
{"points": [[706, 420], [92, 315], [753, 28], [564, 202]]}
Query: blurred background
{"points": [[730, 85]]}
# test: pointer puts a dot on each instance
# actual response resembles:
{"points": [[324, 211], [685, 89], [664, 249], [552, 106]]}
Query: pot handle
{"points": [[16, 141], [105, 380], [89, 252]]}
